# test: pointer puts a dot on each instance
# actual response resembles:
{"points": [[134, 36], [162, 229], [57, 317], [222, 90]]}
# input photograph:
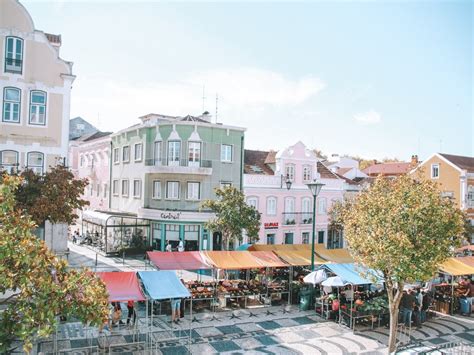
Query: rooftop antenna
{"points": [[203, 98], [217, 101]]}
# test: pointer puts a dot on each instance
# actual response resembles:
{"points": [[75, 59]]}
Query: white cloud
{"points": [[367, 118], [241, 91]]}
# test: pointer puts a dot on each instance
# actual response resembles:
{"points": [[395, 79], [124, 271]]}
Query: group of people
{"points": [[170, 248], [414, 306], [115, 317]]}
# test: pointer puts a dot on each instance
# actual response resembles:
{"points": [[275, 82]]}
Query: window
{"points": [[306, 209], [194, 154], [172, 190], [305, 237], [126, 154], [271, 206], [91, 189], [226, 153], [290, 172], [156, 189], [105, 190], [271, 238], [157, 153], [9, 161], [253, 201], [11, 105], [193, 192], [98, 190], [137, 188], [470, 196], [13, 55], [137, 152], [320, 237], [289, 238], [174, 153], [322, 205], [289, 215], [82, 161], [434, 171], [38, 108], [35, 162], [225, 184], [116, 155], [307, 173], [125, 187], [115, 187]]}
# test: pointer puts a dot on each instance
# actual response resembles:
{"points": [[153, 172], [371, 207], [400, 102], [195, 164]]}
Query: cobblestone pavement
{"points": [[260, 331]]}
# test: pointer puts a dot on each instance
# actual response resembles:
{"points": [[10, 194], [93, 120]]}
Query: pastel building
{"points": [[286, 214], [35, 88], [164, 167]]}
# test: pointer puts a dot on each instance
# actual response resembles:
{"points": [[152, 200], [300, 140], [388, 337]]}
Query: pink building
{"points": [[286, 214], [89, 157]]}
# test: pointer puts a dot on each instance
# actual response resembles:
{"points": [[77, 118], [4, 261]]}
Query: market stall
{"points": [[122, 286], [186, 260]]}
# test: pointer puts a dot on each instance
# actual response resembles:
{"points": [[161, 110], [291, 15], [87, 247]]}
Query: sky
{"points": [[372, 79]]}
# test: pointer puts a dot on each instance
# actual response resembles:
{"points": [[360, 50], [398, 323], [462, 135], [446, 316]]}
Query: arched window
{"points": [[253, 201], [13, 55], [271, 206], [11, 105], [322, 205], [35, 162], [38, 108], [306, 209], [289, 215], [9, 161]]}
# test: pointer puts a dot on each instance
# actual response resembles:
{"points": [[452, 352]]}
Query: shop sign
{"points": [[170, 215], [271, 225]]}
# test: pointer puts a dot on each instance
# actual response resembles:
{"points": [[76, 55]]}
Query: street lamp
{"points": [[315, 188], [287, 181]]}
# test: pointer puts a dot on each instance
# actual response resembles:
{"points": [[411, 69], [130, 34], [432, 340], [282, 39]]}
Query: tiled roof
{"points": [[465, 163], [91, 136], [193, 119], [325, 173], [347, 180], [254, 162], [395, 168], [342, 171], [270, 159]]}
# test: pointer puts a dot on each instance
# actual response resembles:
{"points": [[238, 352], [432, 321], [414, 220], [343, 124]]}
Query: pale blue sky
{"points": [[373, 79]]}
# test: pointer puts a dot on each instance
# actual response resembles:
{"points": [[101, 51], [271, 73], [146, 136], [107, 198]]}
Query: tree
{"points": [[41, 285], [54, 196], [405, 229], [233, 216]]}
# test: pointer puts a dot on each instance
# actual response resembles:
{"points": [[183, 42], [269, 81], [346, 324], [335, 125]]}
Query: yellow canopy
{"points": [[341, 256], [298, 257], [468, 260], [232, 260], [454, 267], [278, 247]]}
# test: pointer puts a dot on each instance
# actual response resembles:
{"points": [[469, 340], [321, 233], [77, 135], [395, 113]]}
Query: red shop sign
{"points": [[271, 225]]}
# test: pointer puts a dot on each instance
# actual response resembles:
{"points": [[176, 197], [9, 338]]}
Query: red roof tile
{"points": [[389, 169], [254, 162]]}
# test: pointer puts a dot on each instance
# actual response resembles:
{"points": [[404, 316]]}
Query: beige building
{"points": [[455, 177], [35, 87]]}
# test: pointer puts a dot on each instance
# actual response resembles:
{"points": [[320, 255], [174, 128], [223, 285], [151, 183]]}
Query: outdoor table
{"points": [[325, 307]]}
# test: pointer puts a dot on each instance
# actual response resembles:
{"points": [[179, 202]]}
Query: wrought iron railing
{"points": [[13, 65], [297, 218], [177, 162]]}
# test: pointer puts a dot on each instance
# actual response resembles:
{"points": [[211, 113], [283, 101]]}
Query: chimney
{"points": [[414, 160], [375, 161]]}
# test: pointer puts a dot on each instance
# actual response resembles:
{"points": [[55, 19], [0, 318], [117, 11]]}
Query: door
{"points": [[289, 215], [194, 154], [157, 153], [174, 153], [306, 217], [216, 241], [289, 238]]}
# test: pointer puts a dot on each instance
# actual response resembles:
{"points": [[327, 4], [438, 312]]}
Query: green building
{"points": [[163, 168]]}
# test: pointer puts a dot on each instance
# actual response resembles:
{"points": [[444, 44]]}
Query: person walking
{"points": [[131, 312], [425, 306], [406, 305], [168, 246], [175, 310], [181, 246]]}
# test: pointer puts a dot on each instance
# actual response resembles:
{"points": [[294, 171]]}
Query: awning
{"points": [[350, 273], [186, 260], [161, 285], [232, 260], [334, 255], [268, 259], [454, 267], [245, 246], [298, 257], [122, 286], [468, 260], [279, 247], [465, 248]]}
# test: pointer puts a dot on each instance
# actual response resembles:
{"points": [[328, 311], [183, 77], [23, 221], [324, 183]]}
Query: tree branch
{"points": [[9, 297]]}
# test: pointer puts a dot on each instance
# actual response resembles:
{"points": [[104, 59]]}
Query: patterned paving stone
{"points": [[269, 325], [202, 348], [437, 341], [267, 340], [289, 337], [229, 329], [303, 348], [247, 343], [175, 350], [249, 327], [222, 346], [467, 336], [208, 332], [286, 322], [327, 332], [303, 320], [308, 334]]}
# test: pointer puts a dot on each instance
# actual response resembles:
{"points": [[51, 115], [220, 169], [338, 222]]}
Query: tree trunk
{"points": [[394, 293], [392, 339]]}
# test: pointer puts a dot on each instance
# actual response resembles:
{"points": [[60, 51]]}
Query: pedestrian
{"points": [[117, 314], [175, 310], [168, 246], [181, 246], [406, 304], [425, 306], [131, 312], [74, 237]]}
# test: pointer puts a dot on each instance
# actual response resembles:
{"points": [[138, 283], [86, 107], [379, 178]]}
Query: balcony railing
{"points": [[13, 65], [297, 218], [182, 162]]}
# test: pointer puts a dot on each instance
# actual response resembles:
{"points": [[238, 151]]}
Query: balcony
{"points": [[13, 65], [297, 218], [183, 166]]}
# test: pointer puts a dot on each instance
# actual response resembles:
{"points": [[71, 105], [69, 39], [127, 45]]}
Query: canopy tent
{"points": [[268, 259], [350, 273], [122, 286], [468, 260], [334, 281], [298, 257], [315, 277], [278, 247], [232, 260], [334, 255], [161, 285], [455, 267], [465, 248], [186, 260], [245, 246]]}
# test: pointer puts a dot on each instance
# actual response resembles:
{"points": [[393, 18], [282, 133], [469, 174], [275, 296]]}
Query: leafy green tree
{"points": [[41, 286], [54, 196], [405, 229], [233, 216]]}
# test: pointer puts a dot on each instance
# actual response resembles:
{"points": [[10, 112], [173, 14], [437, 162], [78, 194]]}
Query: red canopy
{"points": [[186, 260], [122, 286]]}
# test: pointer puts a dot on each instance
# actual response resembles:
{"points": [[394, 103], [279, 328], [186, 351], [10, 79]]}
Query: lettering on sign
{"points": [[170, 215], [271, 225]]}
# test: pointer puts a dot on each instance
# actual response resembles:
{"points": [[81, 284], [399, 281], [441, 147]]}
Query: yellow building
{"points": [[455, 177], [35, 89]]}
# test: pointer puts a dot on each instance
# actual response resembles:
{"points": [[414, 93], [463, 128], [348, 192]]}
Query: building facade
{"points": [[165, 167], [455, 177], [35, 84], [275, 184]]}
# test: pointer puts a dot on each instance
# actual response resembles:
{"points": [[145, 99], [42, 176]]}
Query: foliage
{"points": [[42, 286], [54, 196], [232, 215], [404, 228], [319, 153], [375, 305]]}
